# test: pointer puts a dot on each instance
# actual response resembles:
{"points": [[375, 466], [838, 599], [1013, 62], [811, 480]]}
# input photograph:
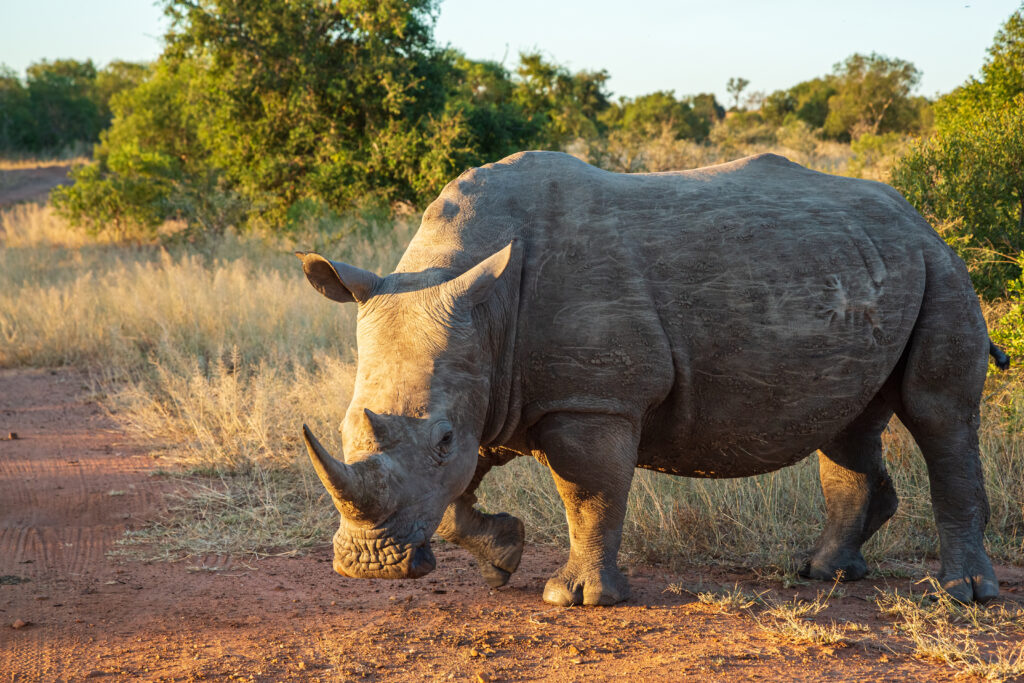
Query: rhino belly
{"points": [[737, 424]]}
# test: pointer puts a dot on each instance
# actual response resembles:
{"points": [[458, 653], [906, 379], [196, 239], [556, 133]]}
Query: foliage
{"points": [[735, 86], [61, 103], [806, 102], [257, 113], [1008, 331], [567, 105], [654, 132], [971, 172], [255, 107], [485, 96], [743, 128], [661, 113], [877, 153], [1002, 79], [872, 96]]}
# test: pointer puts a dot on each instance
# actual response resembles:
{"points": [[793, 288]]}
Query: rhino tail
{"points": [[1000, 357]]}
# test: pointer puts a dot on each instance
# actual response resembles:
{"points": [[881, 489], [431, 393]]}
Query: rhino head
{"points": [[419, 406]]}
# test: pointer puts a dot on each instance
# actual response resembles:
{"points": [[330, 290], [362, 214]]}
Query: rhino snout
{"points": [[378, 555]]}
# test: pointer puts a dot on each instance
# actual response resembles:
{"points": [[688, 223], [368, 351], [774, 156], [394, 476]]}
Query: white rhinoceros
{"points": [[720, 322]]}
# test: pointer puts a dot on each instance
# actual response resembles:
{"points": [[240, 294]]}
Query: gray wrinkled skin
{"points": [[720, 322]]}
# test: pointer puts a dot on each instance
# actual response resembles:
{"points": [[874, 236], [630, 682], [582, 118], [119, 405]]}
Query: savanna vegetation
{"points": [[165, 269]]}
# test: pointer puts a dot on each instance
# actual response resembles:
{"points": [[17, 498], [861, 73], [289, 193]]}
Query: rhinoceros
{"points": [[720, 322]]}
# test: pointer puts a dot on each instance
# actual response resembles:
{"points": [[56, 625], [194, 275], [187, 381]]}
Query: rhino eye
{"points": [[444, 438]]}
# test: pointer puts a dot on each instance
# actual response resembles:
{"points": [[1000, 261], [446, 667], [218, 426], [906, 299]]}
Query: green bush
{"points": [[970, 173]]}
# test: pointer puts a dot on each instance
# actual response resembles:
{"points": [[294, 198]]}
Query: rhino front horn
{"points": [[358, 490]]}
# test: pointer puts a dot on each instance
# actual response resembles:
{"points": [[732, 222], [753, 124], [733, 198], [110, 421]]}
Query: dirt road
{"points": [[70, 486], [31, 184]]}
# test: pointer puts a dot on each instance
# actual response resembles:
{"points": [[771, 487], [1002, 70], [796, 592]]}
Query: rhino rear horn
{"points": [[476, 284], [358, 490], [336, 280]]}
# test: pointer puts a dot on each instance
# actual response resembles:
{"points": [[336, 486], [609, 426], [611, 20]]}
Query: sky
{"points": [[645, 45]]}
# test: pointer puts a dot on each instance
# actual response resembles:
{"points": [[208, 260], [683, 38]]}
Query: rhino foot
{"points": [[974, 580], [496, 577], [843, 564], [504, 551], [596, 587]]}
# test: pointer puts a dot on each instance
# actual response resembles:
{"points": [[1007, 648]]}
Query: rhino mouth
{"points": [[380, 554]]}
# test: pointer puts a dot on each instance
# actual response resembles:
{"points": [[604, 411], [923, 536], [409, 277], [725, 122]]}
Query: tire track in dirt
{"points": [[69, 487], [68, 490]]}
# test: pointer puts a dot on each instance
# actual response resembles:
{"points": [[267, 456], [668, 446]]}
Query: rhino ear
{"points": [[475, 285], [336, 280]]}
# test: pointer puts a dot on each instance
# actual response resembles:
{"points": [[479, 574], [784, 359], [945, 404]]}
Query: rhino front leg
{"points": [[496, 541], [592, 458], [859, 496]]}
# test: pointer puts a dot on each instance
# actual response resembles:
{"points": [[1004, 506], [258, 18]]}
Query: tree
{"points": [[1002, 78], [806, 101], [256, 107], [114, 78], [16, 121], [636, 126], [707, 110], [566, 105], [970, 174], [61, 103], [483, 94], [734, 86], [655, 114], [872, 96]]}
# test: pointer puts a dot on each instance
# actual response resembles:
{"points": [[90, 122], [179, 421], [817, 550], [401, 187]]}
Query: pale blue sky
{"points": [[645, 45]]}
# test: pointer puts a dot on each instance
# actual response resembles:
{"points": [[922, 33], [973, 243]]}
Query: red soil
{"points": [[70, 486]]}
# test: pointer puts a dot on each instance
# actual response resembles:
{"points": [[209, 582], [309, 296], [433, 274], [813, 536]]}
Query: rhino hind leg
{"points": [[859, 496], [592, 458], [495, 541], [940, 396]]}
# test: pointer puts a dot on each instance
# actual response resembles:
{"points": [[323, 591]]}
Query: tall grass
{"points": [[212, 355]]}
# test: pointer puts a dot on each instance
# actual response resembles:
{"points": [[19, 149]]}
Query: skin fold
{"points": [[721, 322]]}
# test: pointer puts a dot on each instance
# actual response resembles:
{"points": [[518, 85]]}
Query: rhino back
{"points": [[743, 314]]}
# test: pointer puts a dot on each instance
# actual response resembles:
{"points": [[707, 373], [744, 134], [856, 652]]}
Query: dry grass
{"points": [[631, 153], [19, 164], [976, 640], [791, 620], [212, 355]]}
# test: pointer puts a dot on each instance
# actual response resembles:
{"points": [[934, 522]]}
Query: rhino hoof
{"points": [[496, 577], [967, 588], [605, 588], [851, 567], [513, 538]]}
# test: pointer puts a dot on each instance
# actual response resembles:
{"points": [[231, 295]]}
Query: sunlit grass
{"points": [[19, 163]]}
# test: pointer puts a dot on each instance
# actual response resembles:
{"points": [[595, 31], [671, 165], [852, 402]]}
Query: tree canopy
{"points": [[60, 103], [970, 174], [872, 95], [260, 111]]}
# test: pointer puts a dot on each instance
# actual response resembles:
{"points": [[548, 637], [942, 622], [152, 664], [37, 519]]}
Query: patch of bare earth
{"points": [[70, 486], [31, 184]]}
